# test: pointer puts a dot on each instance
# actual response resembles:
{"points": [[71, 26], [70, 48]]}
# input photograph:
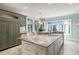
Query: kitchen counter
{"points": [[41, 44], [43, 40]]}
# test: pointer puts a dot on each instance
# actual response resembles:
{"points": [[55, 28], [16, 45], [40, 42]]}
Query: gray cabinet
{"points": [[13, 33], [9, 31], [3, 35]]}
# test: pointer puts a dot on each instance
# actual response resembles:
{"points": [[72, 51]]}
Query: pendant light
{"points": [[41, 19]]}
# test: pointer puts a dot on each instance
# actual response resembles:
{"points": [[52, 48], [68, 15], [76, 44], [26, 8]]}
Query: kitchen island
{"points": [[42, 44]]}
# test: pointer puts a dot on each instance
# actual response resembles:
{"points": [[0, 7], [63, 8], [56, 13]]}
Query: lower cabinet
{"points": [[40, 50], [29, 48], [56, 47], [51, 49]]}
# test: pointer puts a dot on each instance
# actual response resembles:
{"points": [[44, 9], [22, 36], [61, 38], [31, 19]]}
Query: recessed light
{"points": [[49, 4], [54, 9], [46, 16], [25, 7], [70, 3]]}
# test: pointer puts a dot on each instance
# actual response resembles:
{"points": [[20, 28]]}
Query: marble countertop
{"points": [[43, 40]]}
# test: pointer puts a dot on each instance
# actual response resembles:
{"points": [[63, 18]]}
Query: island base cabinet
{"points": [[28, 48], [51, 49], [55, 47], [41, 50], [26, 52]]}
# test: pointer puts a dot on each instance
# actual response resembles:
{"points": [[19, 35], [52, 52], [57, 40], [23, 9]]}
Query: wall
{"points": [[73, 17]]}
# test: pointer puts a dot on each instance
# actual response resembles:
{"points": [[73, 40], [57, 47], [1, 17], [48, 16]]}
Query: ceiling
{"points": [[46, 9]]}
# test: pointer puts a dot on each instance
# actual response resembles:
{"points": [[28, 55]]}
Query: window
{"points": [[30, 28], [22, 29], [61, 26], [29, 25], [67, 27]]}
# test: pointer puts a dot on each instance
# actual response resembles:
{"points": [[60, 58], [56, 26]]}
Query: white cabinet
{"points": [[51, 49], [55, 47], [41, 50], [28, 48]]}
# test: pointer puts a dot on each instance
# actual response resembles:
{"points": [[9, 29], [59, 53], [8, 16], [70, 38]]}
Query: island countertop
{"points": [[43, 40]]}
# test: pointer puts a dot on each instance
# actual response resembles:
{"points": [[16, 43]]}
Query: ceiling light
{"points": [[49, 4], [70, 3], [46, 16], [26, 7], [54, 9]]}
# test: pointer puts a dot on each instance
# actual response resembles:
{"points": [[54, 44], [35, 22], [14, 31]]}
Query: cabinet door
{"points": [[56, 47], [16, 33], [13, 34], [51, 49], [3, 35], [28, 48], [40, 50], [9, 31]]}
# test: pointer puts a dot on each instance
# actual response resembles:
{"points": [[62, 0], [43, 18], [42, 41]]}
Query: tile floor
{"points": [[70, 48]]}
